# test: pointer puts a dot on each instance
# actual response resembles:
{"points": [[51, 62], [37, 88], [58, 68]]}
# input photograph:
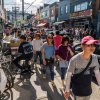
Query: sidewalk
{"points": [[38, 89]]}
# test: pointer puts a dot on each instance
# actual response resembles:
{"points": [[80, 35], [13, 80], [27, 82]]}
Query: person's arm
{"points": [[70, 71], [97, 75], [97, 70], [67, 82], [43, 55], [20, 48], [70, 50]]}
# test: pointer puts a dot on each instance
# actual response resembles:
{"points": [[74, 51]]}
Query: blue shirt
{"points": [[49, 51]]}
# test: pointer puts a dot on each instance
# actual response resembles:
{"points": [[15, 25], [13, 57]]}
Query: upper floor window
{"points": [[61, 10], [82, 6], [78, 7], [66, 9], [46, 13], [52, 12]]}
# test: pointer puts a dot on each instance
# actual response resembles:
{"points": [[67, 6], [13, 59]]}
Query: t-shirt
{"points": [[57, 40], [25, 48], [64, 53], [48, 50], [37, 44], [77, 64]]}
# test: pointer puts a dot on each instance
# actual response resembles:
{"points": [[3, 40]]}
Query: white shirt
{"points": [[37, 44]]}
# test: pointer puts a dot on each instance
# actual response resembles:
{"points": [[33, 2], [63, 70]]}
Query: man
{"points": [[57, 39], [82, 89], [26, 50]]}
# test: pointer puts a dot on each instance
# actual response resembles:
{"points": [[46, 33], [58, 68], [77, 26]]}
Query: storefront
{"points": [[81, 19]]}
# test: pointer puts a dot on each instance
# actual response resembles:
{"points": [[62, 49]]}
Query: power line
{"points": [[30, 5]]}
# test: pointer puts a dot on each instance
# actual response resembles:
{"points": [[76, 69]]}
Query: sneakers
{"points": [[53, 84]]}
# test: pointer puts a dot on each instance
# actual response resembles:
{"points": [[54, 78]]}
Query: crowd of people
{"points": [[58, 47]]}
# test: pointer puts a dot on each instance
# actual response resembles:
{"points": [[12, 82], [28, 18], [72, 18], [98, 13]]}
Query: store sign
{"points": [[81, 14]]}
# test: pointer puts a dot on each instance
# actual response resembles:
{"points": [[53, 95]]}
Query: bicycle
{"points": [[5, 62]]}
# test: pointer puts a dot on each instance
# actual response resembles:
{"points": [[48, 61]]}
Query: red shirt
{"points": [[57, 40]]}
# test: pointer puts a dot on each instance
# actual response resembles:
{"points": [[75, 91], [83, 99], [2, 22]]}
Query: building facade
{"points": [[64, 10], [54, 12], [81, 13], [45, 14]]}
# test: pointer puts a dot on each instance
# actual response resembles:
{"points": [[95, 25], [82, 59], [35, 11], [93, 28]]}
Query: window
{"points": [[66, 9], [75, 8], [45, 13], [84, 6], [61, 10], [80, 7], [52, 12]]}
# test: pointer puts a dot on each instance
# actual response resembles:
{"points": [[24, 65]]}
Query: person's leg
{"points": [[35, 57], [44, 71], [16, 62], [51, 67], [40, 57], [63, 72]]}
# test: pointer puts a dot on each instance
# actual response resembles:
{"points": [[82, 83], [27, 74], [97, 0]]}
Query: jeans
{"points": [[63, 72], [51, 67], [38, 53]]}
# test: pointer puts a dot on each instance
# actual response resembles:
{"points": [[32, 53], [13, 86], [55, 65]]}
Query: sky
{"points": [[37, 3]]}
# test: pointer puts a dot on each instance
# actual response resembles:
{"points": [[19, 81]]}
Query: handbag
{"points": [[78, 81]]}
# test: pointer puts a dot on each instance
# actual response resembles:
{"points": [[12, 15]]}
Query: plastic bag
{"points": [[3, 81]]}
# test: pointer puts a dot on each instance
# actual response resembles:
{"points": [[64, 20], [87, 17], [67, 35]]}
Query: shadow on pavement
{"points": [[26, 90], [52, 92]]}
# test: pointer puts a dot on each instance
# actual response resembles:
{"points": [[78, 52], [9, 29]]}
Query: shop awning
{"points": [[41, 24], [57, 23]]}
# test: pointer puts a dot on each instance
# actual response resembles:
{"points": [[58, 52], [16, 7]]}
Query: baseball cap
{"points": [[89, 40]]}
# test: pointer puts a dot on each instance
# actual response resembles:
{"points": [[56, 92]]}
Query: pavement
{"points": [[37, 88]]}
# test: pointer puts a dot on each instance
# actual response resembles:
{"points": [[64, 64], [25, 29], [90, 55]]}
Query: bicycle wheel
{"points": [[9, 76]]}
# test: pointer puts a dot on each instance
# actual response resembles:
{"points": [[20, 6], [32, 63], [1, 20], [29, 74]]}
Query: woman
{"points": [[48, 52], [65, 52], [37, 43]]}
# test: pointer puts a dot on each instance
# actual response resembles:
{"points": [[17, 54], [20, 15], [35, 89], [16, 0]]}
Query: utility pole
{"points": [[2, 4], [23, 9]]}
